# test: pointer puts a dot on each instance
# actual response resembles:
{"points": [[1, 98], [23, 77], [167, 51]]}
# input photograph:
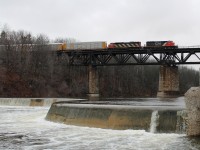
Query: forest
{"points": [[38, 72]]}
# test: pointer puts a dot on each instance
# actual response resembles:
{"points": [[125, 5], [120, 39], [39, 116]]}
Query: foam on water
{"points": [[26, 128]]}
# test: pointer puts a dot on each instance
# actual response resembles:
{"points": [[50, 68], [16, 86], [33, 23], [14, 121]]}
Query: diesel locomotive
{"points": [[149, 44]]}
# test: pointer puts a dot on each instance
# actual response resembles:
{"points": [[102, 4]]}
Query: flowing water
{"points": [[154, 121], [24, 127]]}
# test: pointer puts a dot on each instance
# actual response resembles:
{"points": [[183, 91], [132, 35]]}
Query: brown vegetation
{"points": [[37, 71]]}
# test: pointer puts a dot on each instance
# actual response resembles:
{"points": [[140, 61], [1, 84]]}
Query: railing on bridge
{"points": [[193, 46]]}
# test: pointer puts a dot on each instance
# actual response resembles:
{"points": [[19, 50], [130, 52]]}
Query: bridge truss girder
{"points": [[153, 56]]}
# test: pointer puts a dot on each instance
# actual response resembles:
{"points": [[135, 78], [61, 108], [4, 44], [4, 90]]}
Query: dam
{"points": [[155, 115], [25, 127], [43, 102]]}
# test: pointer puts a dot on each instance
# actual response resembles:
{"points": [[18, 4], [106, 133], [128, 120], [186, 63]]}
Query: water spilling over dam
{"points": [[154, 121], [24, 127], [148, 114], [31, 101]]}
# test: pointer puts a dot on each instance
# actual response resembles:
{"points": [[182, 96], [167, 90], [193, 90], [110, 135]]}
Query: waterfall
{"points": [[154, 121]]}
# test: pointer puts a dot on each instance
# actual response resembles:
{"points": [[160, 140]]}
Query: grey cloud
{"points": [[110, 20]]}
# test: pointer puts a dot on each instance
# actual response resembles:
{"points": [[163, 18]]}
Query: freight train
{"points": [[102, 45], [116, 45]]}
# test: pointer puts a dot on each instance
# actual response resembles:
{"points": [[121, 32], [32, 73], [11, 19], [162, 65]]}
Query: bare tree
{"points": [[65, 40]]}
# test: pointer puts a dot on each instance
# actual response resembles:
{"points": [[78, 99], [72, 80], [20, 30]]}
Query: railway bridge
{"points": [[168, 58]]}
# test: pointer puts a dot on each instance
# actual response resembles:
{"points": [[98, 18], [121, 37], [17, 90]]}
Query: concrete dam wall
{"points": [[32, 101], [118, 117]]}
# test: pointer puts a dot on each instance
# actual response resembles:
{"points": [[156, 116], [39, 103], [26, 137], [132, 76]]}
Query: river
{"points": [[25, 128]]}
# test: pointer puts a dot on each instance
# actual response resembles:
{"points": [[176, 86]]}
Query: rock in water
{"points": [[192, 100]]}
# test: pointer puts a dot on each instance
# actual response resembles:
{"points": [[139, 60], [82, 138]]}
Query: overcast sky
{"points": [[106, 20]]}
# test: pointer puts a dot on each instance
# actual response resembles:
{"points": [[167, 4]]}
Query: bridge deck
{"points": [[134, 56]]}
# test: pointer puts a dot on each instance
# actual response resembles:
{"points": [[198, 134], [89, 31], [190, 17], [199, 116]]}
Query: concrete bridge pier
{"points": [[93, 83], [168, 81]]}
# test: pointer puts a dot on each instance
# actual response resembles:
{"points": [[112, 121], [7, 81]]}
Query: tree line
{"points": [[34, 71]]}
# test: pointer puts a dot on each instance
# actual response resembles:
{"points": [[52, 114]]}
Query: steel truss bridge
{"points": [[133, 56]]}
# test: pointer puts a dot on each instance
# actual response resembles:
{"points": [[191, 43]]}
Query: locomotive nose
{"points": [[170, 43]]}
